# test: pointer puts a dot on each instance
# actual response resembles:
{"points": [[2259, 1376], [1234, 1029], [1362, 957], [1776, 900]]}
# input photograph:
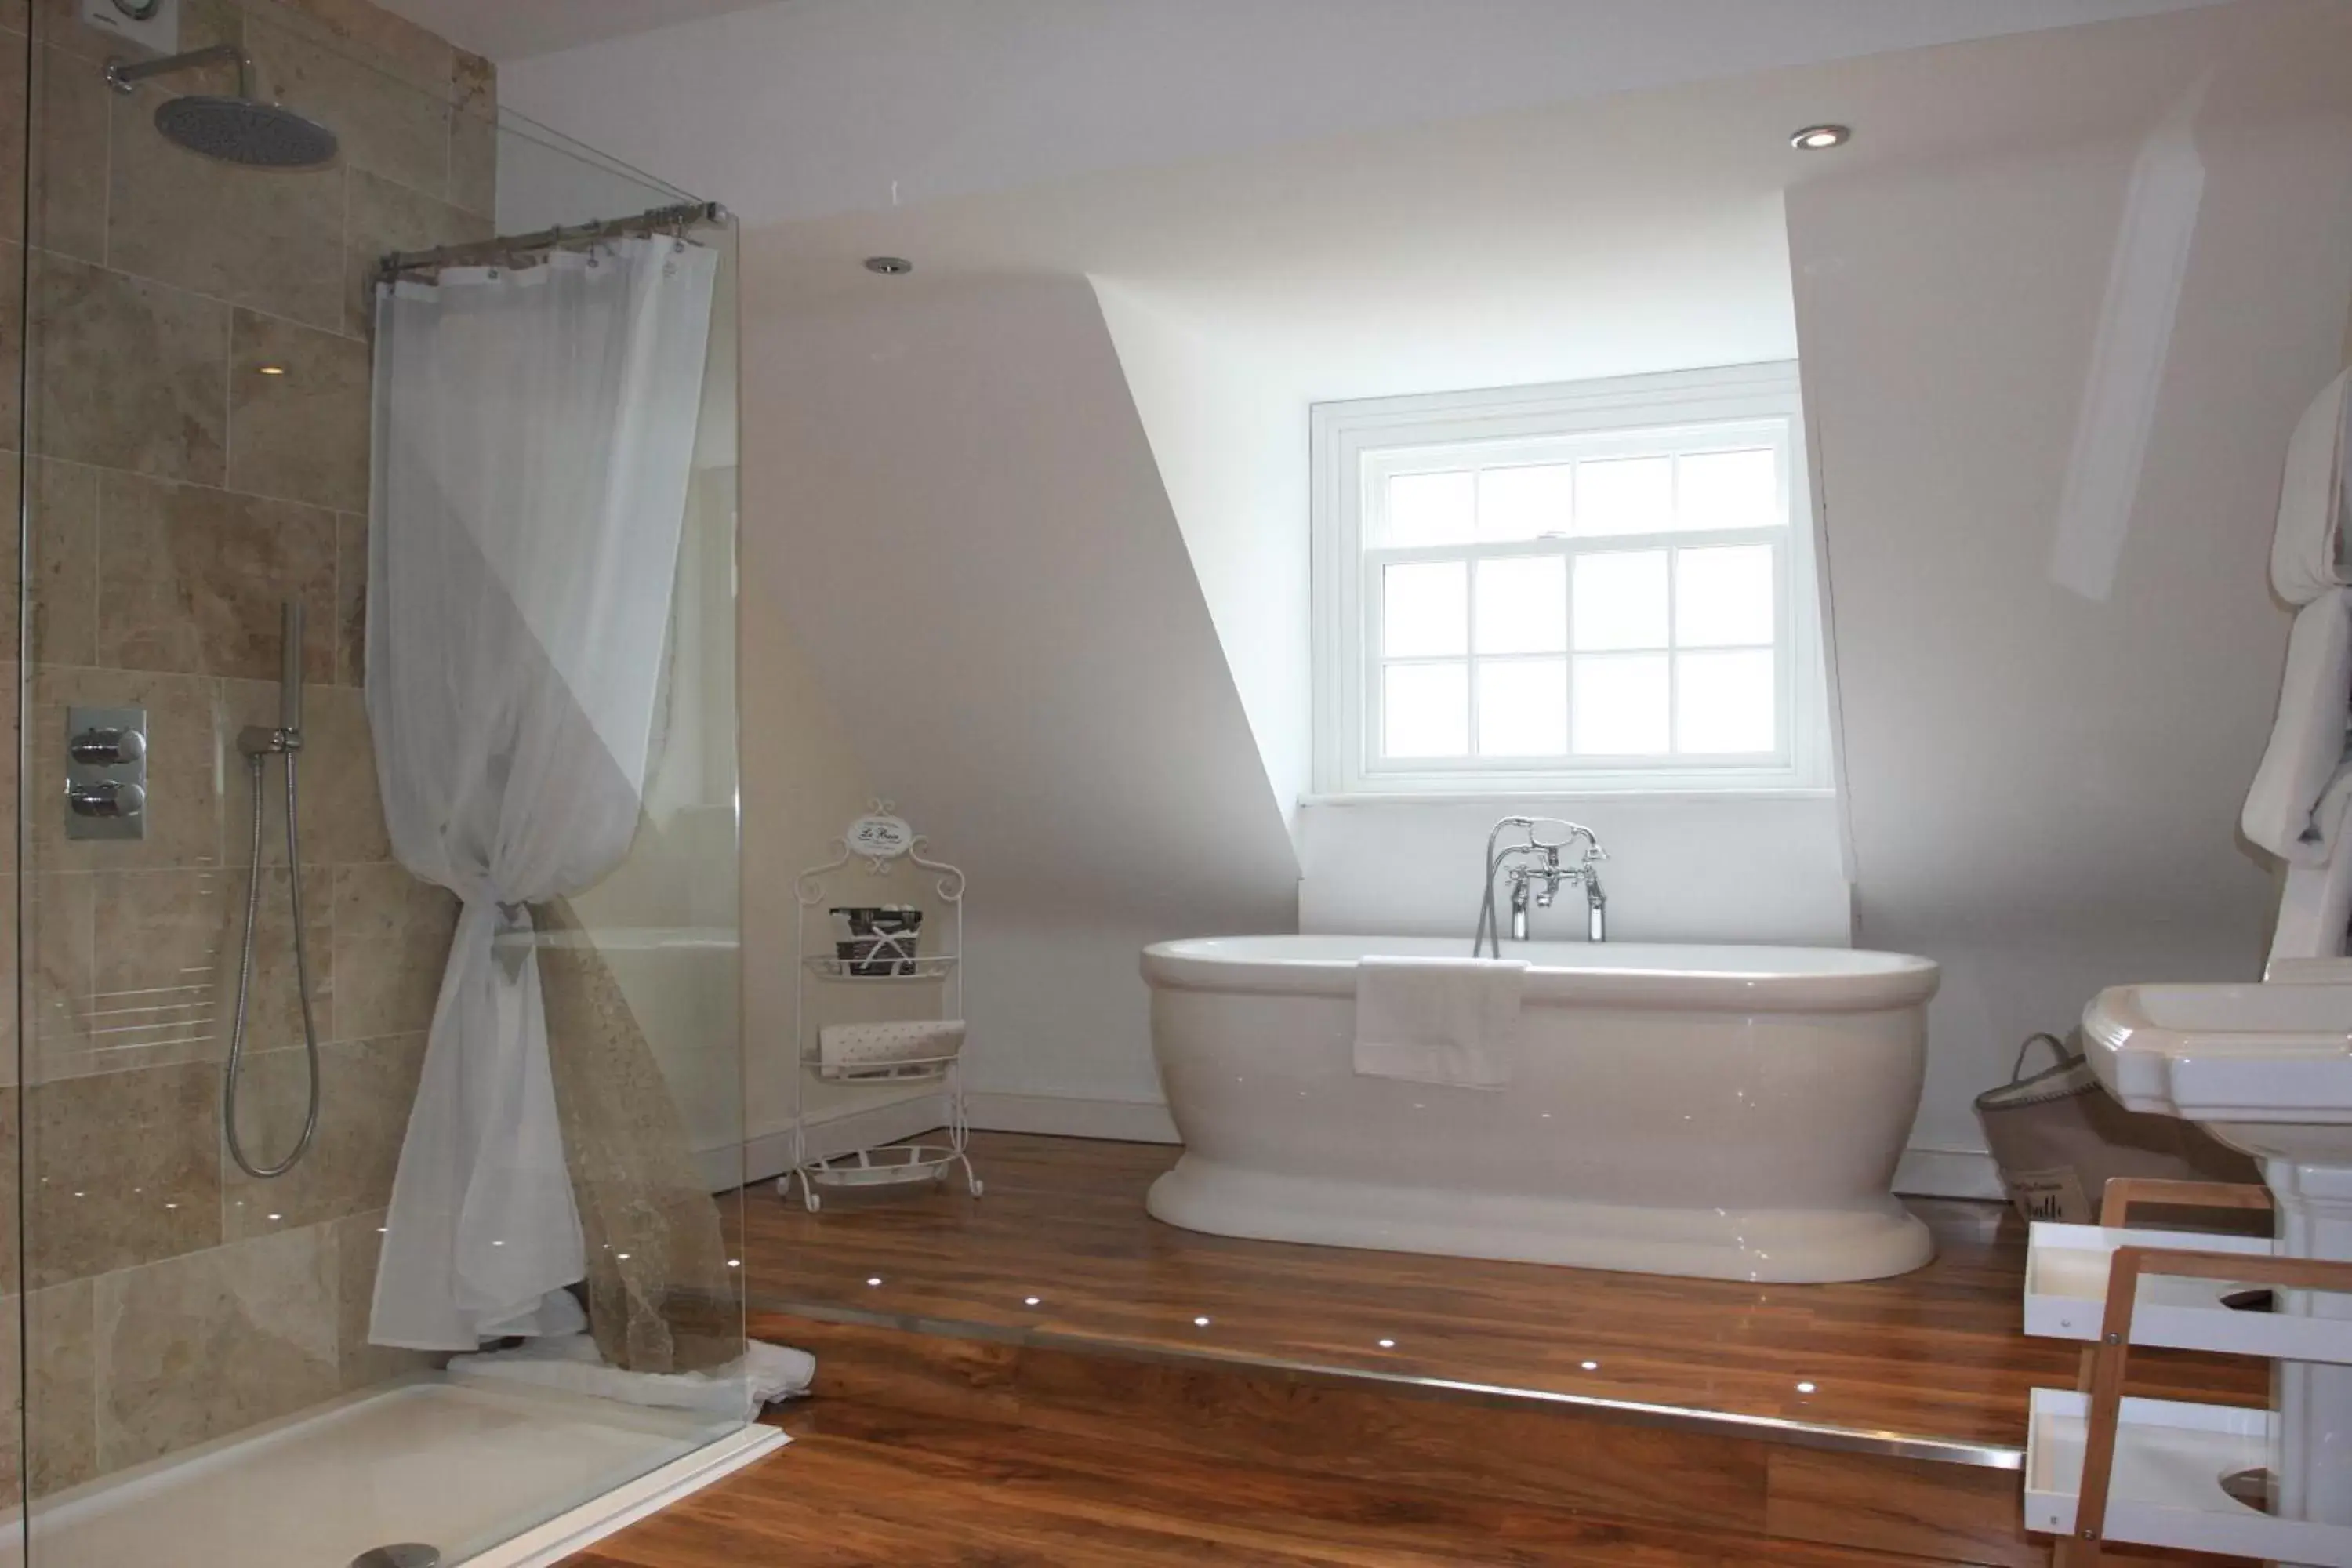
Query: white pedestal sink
{"points": [[2268, 1069]]}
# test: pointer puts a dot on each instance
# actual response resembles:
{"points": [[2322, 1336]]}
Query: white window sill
{"points": [[1694, 797]]}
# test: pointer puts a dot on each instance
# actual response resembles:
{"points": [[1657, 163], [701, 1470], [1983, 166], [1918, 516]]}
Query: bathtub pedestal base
{"points": [[1786, 1247]]}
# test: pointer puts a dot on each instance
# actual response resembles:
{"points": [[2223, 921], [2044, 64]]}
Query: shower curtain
{"points": [[534, 432]]}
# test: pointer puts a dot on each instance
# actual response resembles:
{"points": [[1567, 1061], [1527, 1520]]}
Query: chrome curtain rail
{"points": [[659, 220]]}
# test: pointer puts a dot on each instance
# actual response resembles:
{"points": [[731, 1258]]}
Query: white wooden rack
{"points": [[2101, 1467], [934, 1053]]}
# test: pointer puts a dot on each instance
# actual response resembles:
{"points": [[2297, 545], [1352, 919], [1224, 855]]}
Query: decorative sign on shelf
{"points": [[880, 837]]}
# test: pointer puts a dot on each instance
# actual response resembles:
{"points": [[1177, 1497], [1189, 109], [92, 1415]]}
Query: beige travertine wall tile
{"points": [[213, 1342], [342, 813], [474, 159], [58, 1405], [11, 1274], [189, 760], [368, 35], [64, 504], [381, 216], [158, 948], [14, 46], [128, 373], [365, 1088], [70, 110], [302, 434], [392, 942], [163, 591], [58, 988], [126, 1170], [273, 242], [12, 345], [193, 579], [387, 126], [358, 1241], [351, 597]]}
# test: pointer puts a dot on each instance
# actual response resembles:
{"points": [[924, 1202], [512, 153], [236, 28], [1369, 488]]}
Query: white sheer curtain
{"points": [[534, 432]]}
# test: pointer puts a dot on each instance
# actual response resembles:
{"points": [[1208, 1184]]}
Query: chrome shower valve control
{"points": [[106, 773], [107, 799], [107, 747]]}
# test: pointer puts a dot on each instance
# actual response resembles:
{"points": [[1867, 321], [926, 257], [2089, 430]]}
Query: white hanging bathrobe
{"points": [[534, 430]]}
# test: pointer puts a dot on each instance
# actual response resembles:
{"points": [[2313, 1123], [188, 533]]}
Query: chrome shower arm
{"points": [[125, 78]]}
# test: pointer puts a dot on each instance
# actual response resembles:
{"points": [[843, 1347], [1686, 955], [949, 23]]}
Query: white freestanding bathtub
{"points": [[1728, 1113]]}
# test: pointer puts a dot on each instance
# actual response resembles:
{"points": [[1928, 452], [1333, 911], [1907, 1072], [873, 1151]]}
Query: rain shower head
{"points": [[238, 130]]}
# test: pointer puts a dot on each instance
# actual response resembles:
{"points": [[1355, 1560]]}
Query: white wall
{"points": [[1228, 432], [2043, 787], [1731, 869], [821, 106], [971, 542]]}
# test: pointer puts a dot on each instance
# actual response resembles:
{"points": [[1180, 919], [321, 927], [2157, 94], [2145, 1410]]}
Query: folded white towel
{"points": [[1439, 1020], [763, 1374], [2305, 765], [2316, 500]]}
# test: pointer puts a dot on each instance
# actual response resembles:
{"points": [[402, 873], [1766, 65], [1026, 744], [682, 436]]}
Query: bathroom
{"points": [[811, 889]]}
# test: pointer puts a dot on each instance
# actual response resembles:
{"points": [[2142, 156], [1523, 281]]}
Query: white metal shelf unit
{"points": [[919, 1050]]}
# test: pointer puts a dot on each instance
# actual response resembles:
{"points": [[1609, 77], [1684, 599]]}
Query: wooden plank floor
{"points": [[1936, 1353], [877, 1489]]}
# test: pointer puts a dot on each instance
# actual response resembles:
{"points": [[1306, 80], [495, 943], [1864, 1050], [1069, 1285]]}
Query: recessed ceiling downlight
{"points": [[1821, 138], [889, 266]]}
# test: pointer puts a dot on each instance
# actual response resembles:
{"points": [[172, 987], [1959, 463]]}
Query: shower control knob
{"points": [[107, 748], [107, 799]]}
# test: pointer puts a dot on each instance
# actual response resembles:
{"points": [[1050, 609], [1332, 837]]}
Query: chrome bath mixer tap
{"points": [[1535, 870]]}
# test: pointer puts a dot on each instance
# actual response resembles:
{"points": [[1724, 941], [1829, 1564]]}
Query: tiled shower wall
{"points": [[198, 438]]}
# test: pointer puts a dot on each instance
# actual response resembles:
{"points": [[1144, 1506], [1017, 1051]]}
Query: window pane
{"points": [[1620, 705], [1525, 503], [1432, 508], [1724, 704], [1723, 597], [1425, 609], [1523, 606], [1522, 707], [1621, 600], [1729, 489], [1625, 495], [1425, 711]]}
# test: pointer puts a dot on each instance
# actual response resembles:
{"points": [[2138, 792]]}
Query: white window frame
{"points": [[1357, 446]]}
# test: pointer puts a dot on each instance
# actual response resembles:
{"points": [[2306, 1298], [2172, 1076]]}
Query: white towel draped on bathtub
{"points": [[1439, 1020]]}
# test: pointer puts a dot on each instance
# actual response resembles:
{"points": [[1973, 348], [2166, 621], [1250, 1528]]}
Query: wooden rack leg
{"points": [[2102, 1369]]}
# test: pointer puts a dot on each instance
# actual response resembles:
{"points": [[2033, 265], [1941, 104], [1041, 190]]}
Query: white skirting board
{"points": [[1122, 1121], [562, 1536], [1932, 1173], [1926, 1171]]}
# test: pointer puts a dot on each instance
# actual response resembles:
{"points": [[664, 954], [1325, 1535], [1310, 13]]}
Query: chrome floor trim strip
{"points": [[1635, 1413]]}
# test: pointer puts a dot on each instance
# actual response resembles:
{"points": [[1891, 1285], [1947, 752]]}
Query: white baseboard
{"points": [[1124, 1120], [1932, 1173]]}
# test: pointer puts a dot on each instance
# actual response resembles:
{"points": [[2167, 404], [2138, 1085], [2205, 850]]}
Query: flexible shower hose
{"points": [[236, 1069]]}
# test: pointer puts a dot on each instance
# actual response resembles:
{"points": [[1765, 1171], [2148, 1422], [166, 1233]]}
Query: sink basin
{"points": [[2268, 1067]]}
